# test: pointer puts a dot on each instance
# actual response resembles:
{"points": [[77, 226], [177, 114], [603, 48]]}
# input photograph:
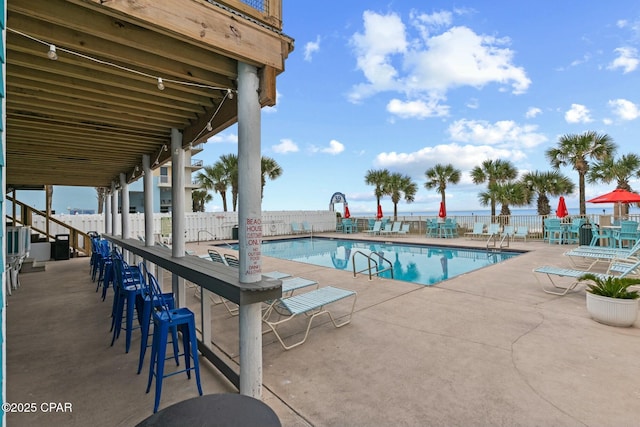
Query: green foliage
{"points": [[612, 287]]}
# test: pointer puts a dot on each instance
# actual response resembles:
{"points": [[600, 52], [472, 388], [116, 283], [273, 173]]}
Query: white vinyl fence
{"points": [[199, 226]]}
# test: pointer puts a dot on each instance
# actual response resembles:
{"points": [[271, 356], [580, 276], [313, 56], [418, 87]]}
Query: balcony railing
{"points": [[266, 11]]}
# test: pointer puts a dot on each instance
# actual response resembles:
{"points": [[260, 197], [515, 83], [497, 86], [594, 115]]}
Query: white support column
{"points": [[147, 182], [124, 219], [108, 201], [177, 211], [250, 226], [114, 209]]}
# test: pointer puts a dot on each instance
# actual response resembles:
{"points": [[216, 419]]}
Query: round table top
{"points": [[228, 410]]}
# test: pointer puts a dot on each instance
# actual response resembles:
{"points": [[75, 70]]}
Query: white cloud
{"points": [[286, 146], [334, 148], [310, 48], [464, 157], [429, 65], [532, 112], [578, 114], [223, 138], [627, 59], [624, 109], [417, 109], [504, 133]]}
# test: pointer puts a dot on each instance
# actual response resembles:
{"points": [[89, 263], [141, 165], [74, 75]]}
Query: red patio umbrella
{"points": [[443, 211], [617, 196], [379, 215], [347, 214], [562, 208]]}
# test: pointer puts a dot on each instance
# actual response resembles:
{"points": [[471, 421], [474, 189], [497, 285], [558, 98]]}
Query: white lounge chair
{"points": [[617, 268], [522, 232], [597, 254], [405, 229], [478, 231], [394, 229], [310, 304], [295, 228], [376, 228]]}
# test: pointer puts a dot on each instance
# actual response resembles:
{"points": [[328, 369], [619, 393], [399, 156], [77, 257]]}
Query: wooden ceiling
{"points": [[90, 115]]}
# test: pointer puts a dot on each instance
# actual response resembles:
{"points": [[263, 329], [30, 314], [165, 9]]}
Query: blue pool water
{"points": [[421, 264]]}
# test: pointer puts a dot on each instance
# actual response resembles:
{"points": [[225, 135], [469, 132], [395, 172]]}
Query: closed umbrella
{"points": [[347, 214], [443, 211], [562, 208], [379, 215]]}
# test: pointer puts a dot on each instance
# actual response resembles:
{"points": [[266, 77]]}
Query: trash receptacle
{"points": [[234, 232], [60, 247], [585, 234]]}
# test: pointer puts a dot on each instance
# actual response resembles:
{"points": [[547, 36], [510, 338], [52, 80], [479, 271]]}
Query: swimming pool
{"points": [[421, 264]]}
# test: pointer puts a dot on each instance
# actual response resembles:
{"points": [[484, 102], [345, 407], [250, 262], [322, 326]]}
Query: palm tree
{"points": [[493, 172], [270, 169], [621, 171], [199, 199], [101, 194], [378, 178], [510, 194], [576, 151], [546, 184], [398, 185], [229, 163], [439, 176], [215, 178]]}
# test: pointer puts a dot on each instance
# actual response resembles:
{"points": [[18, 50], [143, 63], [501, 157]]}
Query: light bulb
{"points": [[209, 127], [160, 84], [52, 55], [229, 93]]}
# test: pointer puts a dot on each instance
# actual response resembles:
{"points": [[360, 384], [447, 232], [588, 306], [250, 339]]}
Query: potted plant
{"points": [[610, 301]]}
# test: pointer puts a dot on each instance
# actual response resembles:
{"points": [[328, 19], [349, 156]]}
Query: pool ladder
{"points": [[371, 264], [494, 246]]}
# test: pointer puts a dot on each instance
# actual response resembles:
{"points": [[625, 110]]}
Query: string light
{"points": [[53, 51], [52, 55]]}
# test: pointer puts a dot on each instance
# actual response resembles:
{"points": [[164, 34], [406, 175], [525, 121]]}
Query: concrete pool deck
{"points": [[483, 349]]}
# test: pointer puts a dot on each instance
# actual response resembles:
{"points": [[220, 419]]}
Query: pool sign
{"points": [[253, 242], [337, 198]]}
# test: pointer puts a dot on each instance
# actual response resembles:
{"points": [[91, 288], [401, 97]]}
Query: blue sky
{"points": [[406, 85]]}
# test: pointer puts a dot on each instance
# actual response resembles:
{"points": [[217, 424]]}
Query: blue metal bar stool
{"points": [[145, 303], [128, 286], [105, 267], [164, 319]]}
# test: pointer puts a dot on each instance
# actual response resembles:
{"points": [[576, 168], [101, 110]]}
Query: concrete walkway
{"points": [[488, 348]]}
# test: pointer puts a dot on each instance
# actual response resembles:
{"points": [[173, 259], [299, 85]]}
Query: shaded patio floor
{"points": [[488, 348]]}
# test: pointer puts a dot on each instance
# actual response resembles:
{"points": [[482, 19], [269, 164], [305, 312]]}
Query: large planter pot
{"points": [[612, 311]]}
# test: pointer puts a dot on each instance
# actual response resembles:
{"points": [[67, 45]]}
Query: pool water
{"points": [[421, 264]]}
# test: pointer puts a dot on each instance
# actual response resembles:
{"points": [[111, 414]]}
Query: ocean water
{"points": [[604, 210]]}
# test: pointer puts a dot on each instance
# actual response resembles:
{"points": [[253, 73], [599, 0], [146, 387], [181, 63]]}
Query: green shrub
{"points": [[612, 287]]}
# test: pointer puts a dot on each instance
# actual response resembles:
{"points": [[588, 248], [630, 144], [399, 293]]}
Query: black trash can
{"points": [[234, 233], [586, 235], [60, 247]]}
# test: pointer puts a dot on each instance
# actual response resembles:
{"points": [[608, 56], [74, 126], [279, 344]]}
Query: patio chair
{"points": [[405, 229], [508, 230], [311, 304], [289, 286], [492, 230], [433, 229], [127, 284], [628, 232], [395, 228], [521, 233], [376, 228], [617, 268], [477, 232], [295, 228], [554, 231], [215, 256], [231, 260], [449, 228], [572, 233], [306, 227]]}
